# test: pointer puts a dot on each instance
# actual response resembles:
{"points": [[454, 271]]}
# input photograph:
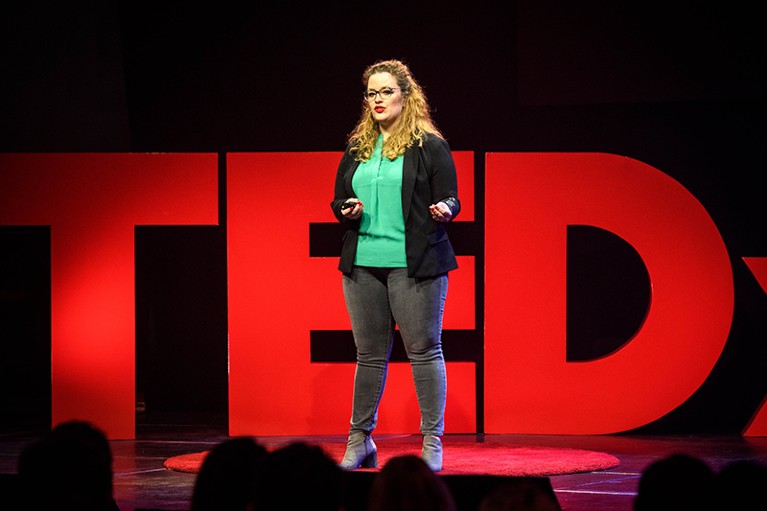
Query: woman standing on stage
{"points": [[395, 190]]}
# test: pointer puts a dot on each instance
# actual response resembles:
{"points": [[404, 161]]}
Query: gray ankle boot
{"points": [[361, 452], [432, 452]]}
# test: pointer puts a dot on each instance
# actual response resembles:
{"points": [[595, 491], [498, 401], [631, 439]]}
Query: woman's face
{"points": [[385, 110]]}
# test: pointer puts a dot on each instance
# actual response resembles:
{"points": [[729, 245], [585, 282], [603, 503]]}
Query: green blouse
{"points": [[377, 182]]}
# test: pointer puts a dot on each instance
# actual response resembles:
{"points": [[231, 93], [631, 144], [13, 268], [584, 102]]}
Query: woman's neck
{"points": [[388, 129]]}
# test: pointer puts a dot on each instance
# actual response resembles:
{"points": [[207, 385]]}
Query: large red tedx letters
{"points": [[92, 203], [278, 293], [691, 300], [757, 426]]}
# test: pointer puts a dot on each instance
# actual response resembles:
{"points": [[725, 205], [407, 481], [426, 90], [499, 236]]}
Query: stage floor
{"points": [[141, 482]]}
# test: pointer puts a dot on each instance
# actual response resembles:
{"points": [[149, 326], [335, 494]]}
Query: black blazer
{"points": [[428, 177]]}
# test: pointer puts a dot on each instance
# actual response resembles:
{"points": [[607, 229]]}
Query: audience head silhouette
{"points": [[521, 495], [677, 482], [406, 483], [740, 485], [68, 469], [227, 476], [299, 476]]}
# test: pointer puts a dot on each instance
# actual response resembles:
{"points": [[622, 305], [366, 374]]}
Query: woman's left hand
{"points": [[440, 212]]}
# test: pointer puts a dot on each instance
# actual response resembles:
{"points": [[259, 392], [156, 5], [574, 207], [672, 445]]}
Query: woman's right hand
{"points": [[355, 211]]}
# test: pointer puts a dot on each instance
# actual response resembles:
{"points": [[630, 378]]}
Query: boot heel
{"points": [[371, 461], [432, 452], [361, 452]]}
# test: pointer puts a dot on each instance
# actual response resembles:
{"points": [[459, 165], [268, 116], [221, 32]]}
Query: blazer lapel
{"points": [[409, 169], [349, 175]]}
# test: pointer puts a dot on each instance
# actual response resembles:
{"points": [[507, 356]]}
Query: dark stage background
{"points": [[677, 85]]}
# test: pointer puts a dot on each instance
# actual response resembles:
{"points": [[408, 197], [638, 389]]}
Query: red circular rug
{"points": [[463, 458]]}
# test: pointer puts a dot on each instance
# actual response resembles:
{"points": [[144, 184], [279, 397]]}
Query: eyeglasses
{"points": [[385, 93]]}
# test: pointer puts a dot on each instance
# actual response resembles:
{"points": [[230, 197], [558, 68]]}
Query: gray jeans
{"points": [[377, 299]]}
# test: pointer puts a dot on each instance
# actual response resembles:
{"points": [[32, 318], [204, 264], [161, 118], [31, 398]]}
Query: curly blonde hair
{"points": [[415, 120]]}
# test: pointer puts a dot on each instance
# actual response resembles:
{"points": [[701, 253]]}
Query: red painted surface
{"points": [[278, 294], [757, 426], [92, 202], [530, 200]]}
